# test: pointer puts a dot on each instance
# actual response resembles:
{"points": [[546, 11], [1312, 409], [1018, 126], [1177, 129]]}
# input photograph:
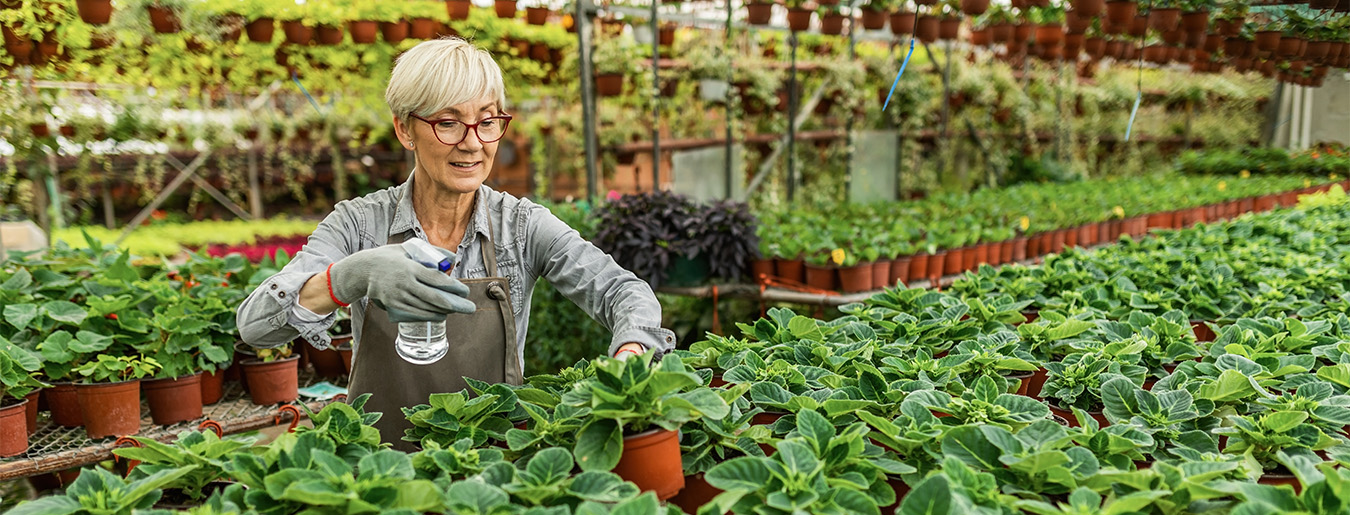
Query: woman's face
{"points": [[459, 168]]}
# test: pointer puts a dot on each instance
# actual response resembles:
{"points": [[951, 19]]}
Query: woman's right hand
{"points": [[409, 291]]}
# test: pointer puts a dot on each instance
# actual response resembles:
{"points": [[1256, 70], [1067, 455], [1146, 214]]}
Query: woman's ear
{"points": [[403, 132]]}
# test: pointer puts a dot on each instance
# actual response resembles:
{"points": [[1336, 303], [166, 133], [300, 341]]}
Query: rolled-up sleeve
{"points": [[588, 276], [267, 317]]}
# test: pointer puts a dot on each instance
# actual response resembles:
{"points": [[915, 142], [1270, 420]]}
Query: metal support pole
{"points": [[58, 218], [726, 101], [255, 203], [656, 99], [792, 115], [1059, 109], [583, 23], [848, 128]]}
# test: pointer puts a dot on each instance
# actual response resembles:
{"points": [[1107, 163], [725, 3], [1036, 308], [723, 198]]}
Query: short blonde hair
{"points": [[442, 73]]}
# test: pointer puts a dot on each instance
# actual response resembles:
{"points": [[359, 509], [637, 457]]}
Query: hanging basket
{"points": [[394, 32], [902, 23], [504, 8], [364, 32], [1164, 19], [974, 7], [949, 29], [1121, 12], [799, 19], [832, 24], [536, 15], [163, 19], [758, 13], [297, 33], [458, 9], [928, 29], [873, 19], [95, 12], [1088, 8], [261, 30], [422, 28], [609, 84]]}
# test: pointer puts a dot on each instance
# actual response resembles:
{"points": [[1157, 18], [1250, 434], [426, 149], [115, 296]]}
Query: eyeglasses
{"points": [[452, 132]]}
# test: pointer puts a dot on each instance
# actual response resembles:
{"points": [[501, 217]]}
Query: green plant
{"points": [[99, 491], [985, 402], [792, 480], [631, 396], [449, 417], [109, 369], [1268, 440], [202, 453]]}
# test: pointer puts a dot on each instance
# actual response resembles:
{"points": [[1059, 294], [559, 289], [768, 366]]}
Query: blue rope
{"points": [[1137, 97], [897, 74], [312, 102]]}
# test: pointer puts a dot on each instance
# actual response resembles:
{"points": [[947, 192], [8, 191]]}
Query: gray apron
{"points": [[482, 346]]}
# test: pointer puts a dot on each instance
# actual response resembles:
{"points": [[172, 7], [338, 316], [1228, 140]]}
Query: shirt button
{"points": [[281, 294], [274, 286]]}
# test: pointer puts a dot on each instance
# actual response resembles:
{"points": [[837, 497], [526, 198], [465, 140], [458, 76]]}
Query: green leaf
{"points": [[797, 456], [19, 315], [746, 473], [1231, 385], [968, 444], [816, 429], [386, 463], [1283, 421], [644, 504], [932, 497], [481, 497], [599, 445], [18, 282], [63, 311]]}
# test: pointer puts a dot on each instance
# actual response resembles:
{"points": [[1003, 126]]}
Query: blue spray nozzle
{"points": [[427, 254]]}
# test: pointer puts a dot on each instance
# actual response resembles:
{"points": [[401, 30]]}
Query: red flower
{"points": [[112, 316]]}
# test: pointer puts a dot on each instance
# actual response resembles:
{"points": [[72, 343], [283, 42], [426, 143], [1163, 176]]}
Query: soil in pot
{"points": [[213, 387], [110, 409], [651, 460], [696, 492], [13, 428], [272, 382], [174, 400]]}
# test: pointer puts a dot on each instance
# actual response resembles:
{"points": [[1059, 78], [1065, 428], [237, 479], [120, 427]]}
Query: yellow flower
{"points": [[1223, 185], [1119, 211], [837, 255], [1024, 223], [1245, 174]]}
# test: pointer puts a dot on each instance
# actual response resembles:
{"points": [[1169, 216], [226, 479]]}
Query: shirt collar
{"points": [[405, 218]]}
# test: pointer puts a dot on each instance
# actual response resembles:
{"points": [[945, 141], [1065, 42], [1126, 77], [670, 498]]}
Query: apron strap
{"points": [[490, 250]]}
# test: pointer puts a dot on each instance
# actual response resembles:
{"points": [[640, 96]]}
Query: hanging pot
{"points": [[1022, 32], [928, 29], [1267, 40], [504, 8], [422, 28], [1228, 28], [758, 13], [261, 30], [394, 32], [1088, 9], [110, 409], [974, 7], [949, 29], [1049, 34], [1290, 47], [329, 35], [981, 37], [458, 9], [364, 32], [902, 23], [13, 428], [1121, 12], [95, 12], [272, 382], [1174, 37], [1073, 44], [609, 84], [872, 19], [1164, 19], [174, 400], [163, 19], [1139, 27], [1095, 47], [1076, 22], [536, 15], [1316, 50], [1001, 32], [1213, 42], [1196, 21], [855, 278], [297, 33], [799, 19], [832, 24]]}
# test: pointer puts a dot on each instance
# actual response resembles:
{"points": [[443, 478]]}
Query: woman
{"points": [[447, 100]]}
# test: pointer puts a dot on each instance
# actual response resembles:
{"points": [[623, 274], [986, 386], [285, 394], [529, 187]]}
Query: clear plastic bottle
{"points": [[423, 343]]}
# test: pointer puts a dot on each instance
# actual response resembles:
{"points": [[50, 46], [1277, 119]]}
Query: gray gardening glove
{"points": [[409, 291]]}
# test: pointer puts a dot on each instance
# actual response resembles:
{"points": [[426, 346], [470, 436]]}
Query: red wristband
{"points": [[328, 277], [621, 351]]}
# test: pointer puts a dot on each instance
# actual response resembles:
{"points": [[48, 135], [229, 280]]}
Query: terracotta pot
{"points": [[95, 12], [297, 33], [696, 493], [1001, 32], [1121, 12], [928, 29], [902, 23], [981, 37], [504, 8], [1164, 19], [110, 409], [1267, 40], [790, 269], [261, 30], [536, 15], [328, 362], [422, 28], [1049, 34], [936, 265], [899, 272], [901, 489], [949, 29], [651, 460], [1087, 235], [855, 278], [832, 24], [213, 387], [30, 410], [1203, 333], [328, 34], [758, 13], [1019, 248], [1076, 23], [64, 404], [458, 9], [13, 428], [395, 32], [873, 19], [974, 7], [1037, 379], [881, 274], [760, 267], [272, 382], [1291, 47], [1073, 421], [918, 266], [1196, 21], [968, 258], [799, 19], [609, 85], [1281, 478], [163, 19], [1021, 380], [1088, 8], [821, 278], [1022, 32], [174, 400], [364, 32], [955, 262]]}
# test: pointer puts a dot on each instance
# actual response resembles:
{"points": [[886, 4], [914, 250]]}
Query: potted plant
{"points": [[201, 453], [1075, 382], [18, 371], [637, 407], [272, 376], [110, 399], [99, 490], [477, 419], [831, 19], [874, 13], [537, 14], [799, 16], [614, 60], [758, 12], [725, 231], [297, 22], [649, 234]]}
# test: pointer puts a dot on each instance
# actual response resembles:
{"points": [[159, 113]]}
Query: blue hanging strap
{"points": [[312, 102], [897, 74], [1137, 97]]}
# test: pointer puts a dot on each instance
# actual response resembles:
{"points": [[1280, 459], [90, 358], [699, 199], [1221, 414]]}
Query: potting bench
{"points": [[53, 448]]}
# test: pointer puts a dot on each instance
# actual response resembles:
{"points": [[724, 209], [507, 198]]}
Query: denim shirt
{"points": [[530, 241]]}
